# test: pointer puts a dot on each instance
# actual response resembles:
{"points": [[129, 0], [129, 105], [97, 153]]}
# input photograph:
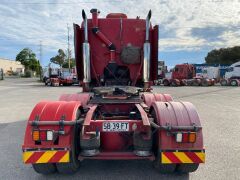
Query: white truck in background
{"points": [[232, 76], [50, 72], [212, 73]]}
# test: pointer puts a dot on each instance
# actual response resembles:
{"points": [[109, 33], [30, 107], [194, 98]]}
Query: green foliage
{"points": [[72, 63], [62, 60], [28, 74], [223, 56], [59, 59], [29, 60]]}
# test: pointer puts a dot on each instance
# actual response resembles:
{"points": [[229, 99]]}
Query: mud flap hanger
{"points": [[61, 123], [170, 128]]}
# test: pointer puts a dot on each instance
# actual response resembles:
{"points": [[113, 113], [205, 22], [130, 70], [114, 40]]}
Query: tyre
{"points": [[205, 82], [174, 83], [166, 83], [183, 82], [74, 164], [69, 168], [196, 82], [186, 168], [233, 82], [44, 168], [223, 82], [163, 168]]}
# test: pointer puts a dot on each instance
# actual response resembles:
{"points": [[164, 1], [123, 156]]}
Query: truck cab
{"points": [[183, 71], [233, 71]]}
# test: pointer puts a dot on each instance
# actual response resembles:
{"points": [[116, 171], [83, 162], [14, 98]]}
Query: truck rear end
{"points": [[117, 116]]}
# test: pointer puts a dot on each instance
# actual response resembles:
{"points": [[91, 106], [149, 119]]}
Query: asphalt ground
{"points": [[218, 107]]}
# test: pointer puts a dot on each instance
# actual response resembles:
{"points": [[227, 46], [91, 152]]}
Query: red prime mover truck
{"points": [[117, 116]]}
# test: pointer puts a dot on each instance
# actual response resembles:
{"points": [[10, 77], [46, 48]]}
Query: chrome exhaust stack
{"points": [[86, 54], [147, 52]]}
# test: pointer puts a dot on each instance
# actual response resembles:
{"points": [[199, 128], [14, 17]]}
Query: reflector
{"points": [[49, 135], [179, 137], [35, 135], [192, 137]]}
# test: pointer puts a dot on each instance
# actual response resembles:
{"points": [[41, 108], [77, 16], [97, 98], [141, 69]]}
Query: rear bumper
{"points": [[179, 157], [46, 156]]}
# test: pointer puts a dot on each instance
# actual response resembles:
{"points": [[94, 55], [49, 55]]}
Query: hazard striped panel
{"points": [[182, 157], [35, 157]]}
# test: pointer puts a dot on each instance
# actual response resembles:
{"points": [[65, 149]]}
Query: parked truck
{"points": [[185, 75], [232, 75], [60, 77], [50, 72], [117, 116]]}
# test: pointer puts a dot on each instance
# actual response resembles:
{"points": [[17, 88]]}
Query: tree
{"points": [[72, 63], [59, 59], [223, 56], [28, 59], [62, 60]]}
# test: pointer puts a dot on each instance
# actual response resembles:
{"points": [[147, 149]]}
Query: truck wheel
{"points": [[44, 168], [74, 164], [205, 82], [187, 168], [69, 168], [234, 82], [223, 82], [174, 82], [196, 82], [166, 83], [163, 168]]}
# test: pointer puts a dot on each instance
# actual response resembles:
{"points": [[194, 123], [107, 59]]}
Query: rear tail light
{"points": [[43, 135], [192, 137], [185, 137], [49, 135], [36, 135], [179, 137]]}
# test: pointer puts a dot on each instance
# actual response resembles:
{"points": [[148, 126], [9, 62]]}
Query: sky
{"points": [[188, 29]]}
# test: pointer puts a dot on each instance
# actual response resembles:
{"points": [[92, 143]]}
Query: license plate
{"points": [[115, 126]]}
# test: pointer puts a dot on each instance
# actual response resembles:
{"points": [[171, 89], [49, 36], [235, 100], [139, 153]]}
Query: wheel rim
{"points": [[234, 83]]}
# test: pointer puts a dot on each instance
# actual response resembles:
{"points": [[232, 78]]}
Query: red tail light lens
{"points": [[43, 135], [185, 137]]}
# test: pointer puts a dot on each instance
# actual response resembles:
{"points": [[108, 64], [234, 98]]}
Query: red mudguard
{"points": [[178, 114], [149, 98], [48, 151], [83, 98]]}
